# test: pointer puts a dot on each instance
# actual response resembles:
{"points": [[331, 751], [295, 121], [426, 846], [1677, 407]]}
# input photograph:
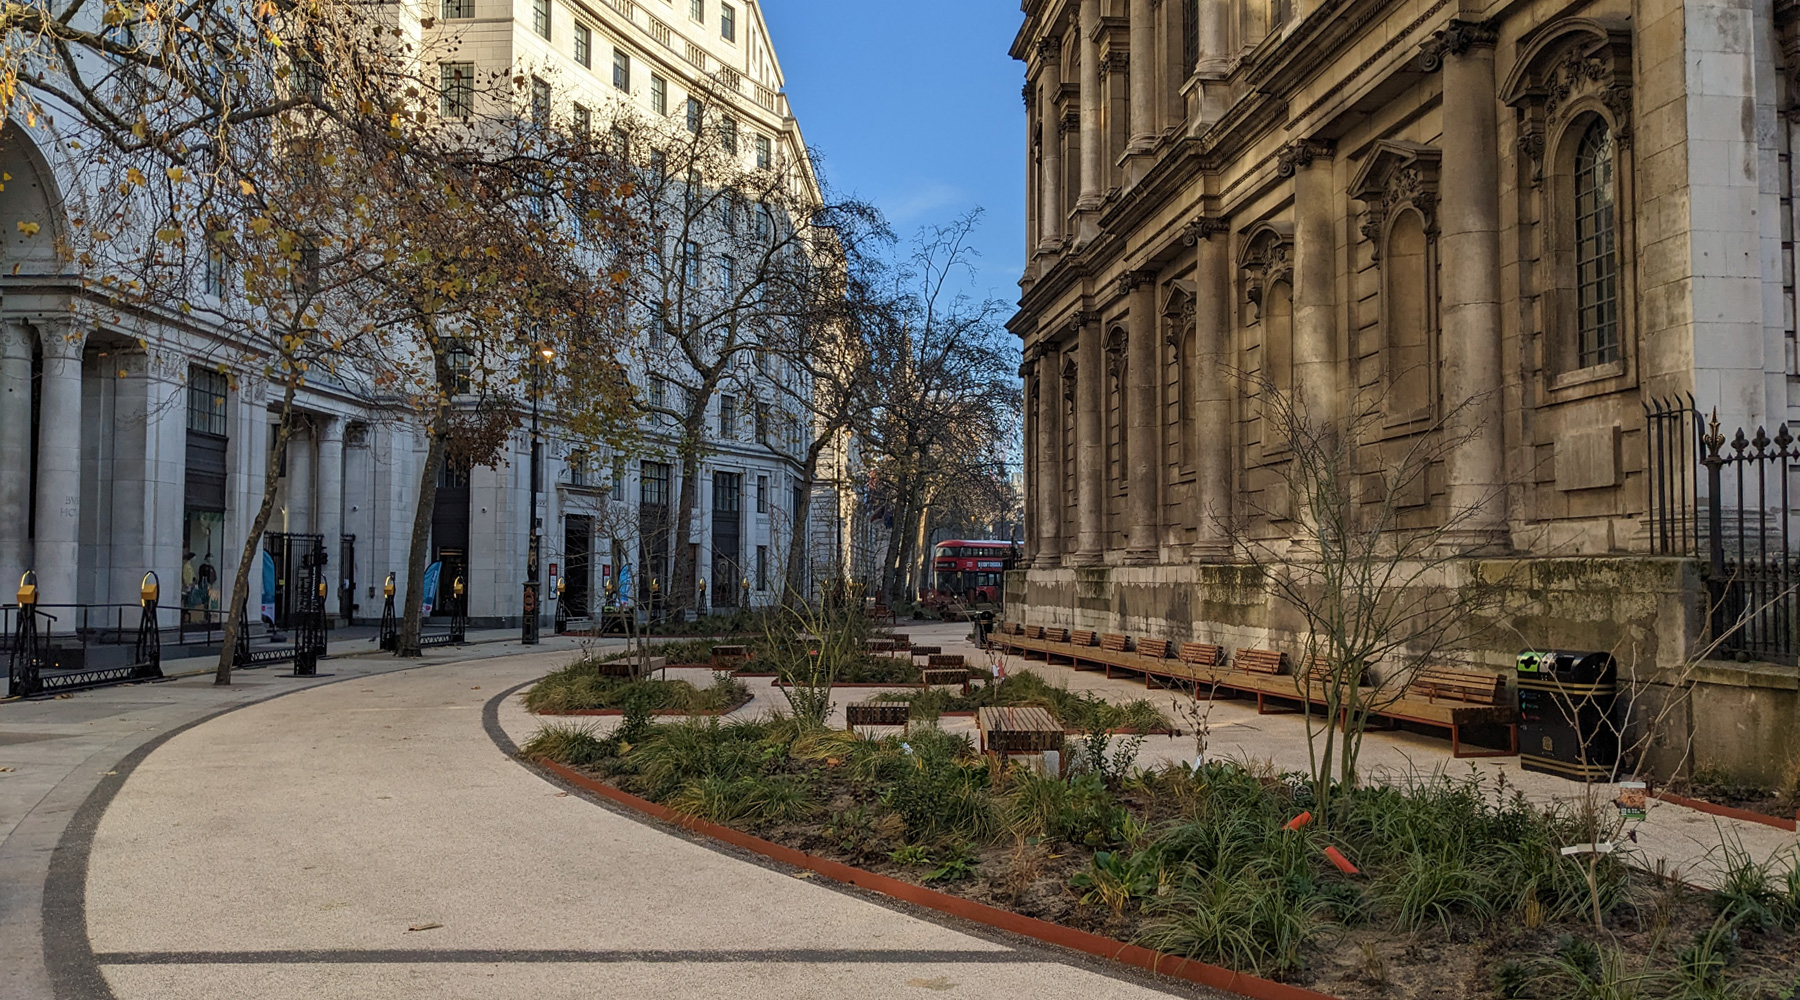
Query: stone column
{"points": [[329, 515], [57, 546], [1091, 165], [1143, 394], [1469, 245], [1213, 390], [1032, 199], [15, 456], [253, 401], [1049, 459], [1309, 161], [298, 492], [1143, 77], [1215, 59], [1170, 68], [1090, 451], [1050, 186]]}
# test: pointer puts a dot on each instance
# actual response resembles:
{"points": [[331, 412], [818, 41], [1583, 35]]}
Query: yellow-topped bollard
{"points": [[149, 589], [323, 590], [387, 589], [27, 589], [457, 587]]}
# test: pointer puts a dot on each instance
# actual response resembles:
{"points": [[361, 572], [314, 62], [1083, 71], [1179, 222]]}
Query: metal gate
{"points": [[33, 669]]}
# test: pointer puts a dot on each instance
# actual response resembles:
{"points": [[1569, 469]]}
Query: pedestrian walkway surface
{"points": [[370, 839], [366, 835]]}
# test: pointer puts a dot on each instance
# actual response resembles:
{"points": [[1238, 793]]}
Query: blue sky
{"points": [[915, 107]]}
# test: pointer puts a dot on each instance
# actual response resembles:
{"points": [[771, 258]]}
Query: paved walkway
{"points": [[366, 835], [289, 848]]}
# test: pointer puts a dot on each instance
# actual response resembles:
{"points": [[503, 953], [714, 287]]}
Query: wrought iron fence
{"points": [[1729, 503]]}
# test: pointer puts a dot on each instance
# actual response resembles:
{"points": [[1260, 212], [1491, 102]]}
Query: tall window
{"points": [[728, 22], [762, 428], [763, 152], [653, 483], [693, 115], [728, 274], [622, 70], [206, 401], [1190, 36], [697, 10], [762, 494], [456, 89], [727, 417], [690, 263], [762, 567], [540, 101], [216, 280], [578, 468], [583, 120], [728, 134], [458, 9], [584, 45], [1596, 253], [540, 17]]}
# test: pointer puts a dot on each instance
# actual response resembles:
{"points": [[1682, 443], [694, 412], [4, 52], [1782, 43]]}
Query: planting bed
{"points": [[1077, 712], [1463, 891], [578, 688]]}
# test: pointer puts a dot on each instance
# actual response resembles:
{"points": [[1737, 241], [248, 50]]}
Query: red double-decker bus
{"points": [[971, 571]]}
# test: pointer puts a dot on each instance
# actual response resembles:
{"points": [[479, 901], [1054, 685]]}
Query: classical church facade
{"points": [[1523, 228]]}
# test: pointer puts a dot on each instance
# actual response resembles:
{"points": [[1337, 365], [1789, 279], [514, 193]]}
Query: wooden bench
{"points": [[1011, 628], [876, 713], [946, 661], [1056, 635], [880, 613], [730, 657], [1018, 730], [925, 650], [1454, 697], [1202, 654], [879, 646], [1034, 631], [1083, 638], [1268, 662], [1113, 643], [901, 641], [934, 676], [1153, 649]]}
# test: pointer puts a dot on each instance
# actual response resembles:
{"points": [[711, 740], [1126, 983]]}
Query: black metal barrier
{"points": [[457, 635], [309, 626], [34, 668]]}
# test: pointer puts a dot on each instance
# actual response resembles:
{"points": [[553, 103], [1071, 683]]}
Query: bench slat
{"points": [[1115, 643], [1202, 654], [1155, 649], [1261, 661]]}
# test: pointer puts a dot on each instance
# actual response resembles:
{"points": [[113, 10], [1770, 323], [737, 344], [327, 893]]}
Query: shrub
{"points": [[1243, 921], [563, 743]]}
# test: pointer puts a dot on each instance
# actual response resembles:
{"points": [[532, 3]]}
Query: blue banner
{"points": [[268, 588], [625, 586], [432, 572]]}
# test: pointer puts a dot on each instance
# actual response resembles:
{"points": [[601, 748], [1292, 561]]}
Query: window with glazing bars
{"points": [[728, 22], [456, 89], [727, 417], [207, 389], [762, 494], [1596, 253], [540, 101], [659, 95], [653, 483], [697, 10], [693, 115], [584, 45], [540, 17], [763, 152], [578, 468], [622, 70], [728, 134], [458, 9]]}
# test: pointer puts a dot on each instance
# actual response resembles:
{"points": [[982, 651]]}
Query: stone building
{"points": [[126, 450], [1518, 225]]}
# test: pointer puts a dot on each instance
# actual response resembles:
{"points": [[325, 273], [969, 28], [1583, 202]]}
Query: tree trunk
{"points": [[240, 587], [412, 617], [680, 590], [921, 561], [796, 569]]}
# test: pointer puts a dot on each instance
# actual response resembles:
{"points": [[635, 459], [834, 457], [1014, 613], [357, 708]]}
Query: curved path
{"points": [[370, 838]]}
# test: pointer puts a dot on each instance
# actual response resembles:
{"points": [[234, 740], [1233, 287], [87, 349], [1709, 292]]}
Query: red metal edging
{"points": [[1133, 955], [1728, 812]]}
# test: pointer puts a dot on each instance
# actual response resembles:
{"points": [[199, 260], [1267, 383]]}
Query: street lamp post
{"points": [[534, 547]]}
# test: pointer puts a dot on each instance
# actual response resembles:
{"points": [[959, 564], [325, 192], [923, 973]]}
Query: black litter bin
{"points": [[1566, 722]]}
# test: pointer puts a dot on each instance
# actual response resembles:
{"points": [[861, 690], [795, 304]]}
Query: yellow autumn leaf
{"points": [[176, 174], [246, 187], [29, 228], [170, 235], [134, 175]]}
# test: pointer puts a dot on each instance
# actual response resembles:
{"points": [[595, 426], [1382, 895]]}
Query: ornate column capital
{"points": [[15, 339], [1455, 39], [61, 337], [1302, 153], [1079, 319], [1203, 228], [1049, 46], [1130, 281]]}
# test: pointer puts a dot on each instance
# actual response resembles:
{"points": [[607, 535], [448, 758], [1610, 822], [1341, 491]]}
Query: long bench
{"points": [[1446, 697]]}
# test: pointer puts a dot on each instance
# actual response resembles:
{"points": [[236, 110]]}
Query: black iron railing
{"points": [[1728, 502]]}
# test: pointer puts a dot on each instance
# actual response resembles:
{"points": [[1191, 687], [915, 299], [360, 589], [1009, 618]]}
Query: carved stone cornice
{"points": [[1302, 153], [1203, 228], [1028, 94], [1394, 176], [1071, 372], [1115, 61], [1581, 63], [1268, 257], [1069, 122], [1454, 40], [1049, 46], [1079, 319]]}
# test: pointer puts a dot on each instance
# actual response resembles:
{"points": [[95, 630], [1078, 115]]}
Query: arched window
{"points": [[1596, 250]]}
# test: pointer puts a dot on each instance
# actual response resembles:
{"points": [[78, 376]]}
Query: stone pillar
{"points": [[1032, 199], [57, 545], [298, 493], [1309, 161], [1050, 186], [15, 456], [1090, 451], [1091, 164], [1215, 58], [1142, 395], [253, 402], [1171, 70], [1213, 389], [1049, 458], [1143, 77], [1469, 247], [329, 514]]}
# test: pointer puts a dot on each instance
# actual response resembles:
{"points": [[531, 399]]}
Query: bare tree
{"points": [[1351, 541]]}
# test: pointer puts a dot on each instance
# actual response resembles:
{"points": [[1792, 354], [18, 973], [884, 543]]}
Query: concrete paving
{"points": [[291, 847], [365, 835]]}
